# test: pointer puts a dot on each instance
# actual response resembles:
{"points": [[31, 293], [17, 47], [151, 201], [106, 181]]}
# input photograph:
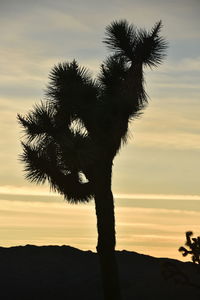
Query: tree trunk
{"points": [[104, 205]]}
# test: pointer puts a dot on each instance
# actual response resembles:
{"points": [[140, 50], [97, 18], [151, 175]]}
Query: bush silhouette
{"points": [[194, 247]]}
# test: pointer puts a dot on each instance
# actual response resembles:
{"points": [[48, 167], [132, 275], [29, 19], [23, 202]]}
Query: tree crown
{"points": [[82, 121]]}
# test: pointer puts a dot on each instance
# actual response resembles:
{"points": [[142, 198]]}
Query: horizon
{"points": [[148, 226]]}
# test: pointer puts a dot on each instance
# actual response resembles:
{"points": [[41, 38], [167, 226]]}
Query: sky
{"points": [[156, 175]]}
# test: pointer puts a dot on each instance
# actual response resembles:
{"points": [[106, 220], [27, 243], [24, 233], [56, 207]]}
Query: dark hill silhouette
{"points": [[62, 272]]}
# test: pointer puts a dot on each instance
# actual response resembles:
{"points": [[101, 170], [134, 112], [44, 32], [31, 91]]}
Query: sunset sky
{"points": [[156, 178]]}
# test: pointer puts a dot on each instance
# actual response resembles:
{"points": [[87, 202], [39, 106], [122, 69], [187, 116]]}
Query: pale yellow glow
{"points": [[45, 191], [158, 196], [153, 231], [25, 190], [175, 140]]}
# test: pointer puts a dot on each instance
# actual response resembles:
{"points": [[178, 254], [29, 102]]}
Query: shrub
{"points": [[194, 247]]}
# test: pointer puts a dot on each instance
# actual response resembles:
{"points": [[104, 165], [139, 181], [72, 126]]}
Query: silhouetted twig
{"points": [[194, 245]]}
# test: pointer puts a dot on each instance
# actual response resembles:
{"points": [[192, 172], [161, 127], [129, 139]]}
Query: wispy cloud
{"points": [[35, 36], [25, 190], [158, 196], [152, 231], [172, 140], [44, 191], [184, 65]]}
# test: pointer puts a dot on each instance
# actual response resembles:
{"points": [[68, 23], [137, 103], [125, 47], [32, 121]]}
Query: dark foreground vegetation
{"points": [[63, 272]]}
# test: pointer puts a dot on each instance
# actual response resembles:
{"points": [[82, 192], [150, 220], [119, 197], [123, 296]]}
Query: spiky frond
{"points": [[69, 73], [71, 86], [194, 247], [113, 72], [123, 88], [150, 48], [139, 46], [76, 151], [120, 38], [43, 164], [38, 165], [39, 121]]}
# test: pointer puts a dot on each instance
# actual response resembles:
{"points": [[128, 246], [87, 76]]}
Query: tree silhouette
{"points": [[194, 247], [73, 135]]}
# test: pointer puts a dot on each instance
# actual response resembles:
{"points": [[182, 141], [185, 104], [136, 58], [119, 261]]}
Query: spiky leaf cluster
{"points": [[136, 45], [83, 121], [194, 246]]}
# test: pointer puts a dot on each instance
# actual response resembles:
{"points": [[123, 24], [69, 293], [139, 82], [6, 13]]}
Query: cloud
{"points": [[171, 140], [153, 231], [183, 65], [26, 190], [44, 191], [59, 20], [43, 223], [170, 124], [35, 36], [178, 78], [158, 196]]}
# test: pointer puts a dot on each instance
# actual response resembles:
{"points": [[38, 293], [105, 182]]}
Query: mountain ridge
{"points": [[65, 272]]}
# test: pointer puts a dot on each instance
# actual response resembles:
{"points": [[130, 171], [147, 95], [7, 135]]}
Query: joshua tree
{"points": [[73, 135], [194, 246]]}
